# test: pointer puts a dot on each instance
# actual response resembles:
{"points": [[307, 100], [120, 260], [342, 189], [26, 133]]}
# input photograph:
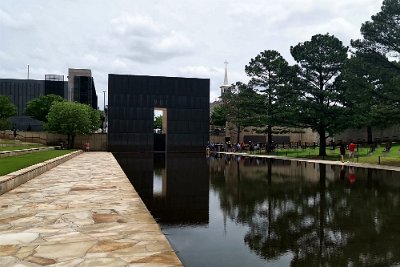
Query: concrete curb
{"points": [[5, 154], [327, 162], [15, 179]]}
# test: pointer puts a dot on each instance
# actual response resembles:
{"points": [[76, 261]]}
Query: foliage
{"points": [[320, 62], [158, 122], [219, 115], [373, 75], [72, 118], [270, 72], [370, 93], [7, 108], [242, 104], [382, 34], [38, 108]]}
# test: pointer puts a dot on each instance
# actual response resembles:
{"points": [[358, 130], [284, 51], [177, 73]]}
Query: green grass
{"points": [[17, 147], [363, 154], [11, 164]]}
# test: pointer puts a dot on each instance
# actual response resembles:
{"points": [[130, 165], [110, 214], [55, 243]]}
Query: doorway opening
{"points": [[160, 129]]}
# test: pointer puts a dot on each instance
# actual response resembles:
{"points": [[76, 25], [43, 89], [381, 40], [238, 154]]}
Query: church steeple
{"points": [[226, 84], [226, 73]]}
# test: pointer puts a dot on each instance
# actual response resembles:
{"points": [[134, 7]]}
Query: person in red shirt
{"points": [[352, 150]]}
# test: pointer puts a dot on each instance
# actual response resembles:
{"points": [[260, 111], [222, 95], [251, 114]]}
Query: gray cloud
{"points": [[140, 38], [171, 38]]}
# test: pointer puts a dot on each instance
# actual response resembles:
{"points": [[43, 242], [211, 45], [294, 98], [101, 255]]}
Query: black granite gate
{"points": [[131, 103]]}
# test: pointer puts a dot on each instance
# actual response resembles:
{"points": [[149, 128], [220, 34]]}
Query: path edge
{"points": [[13, 180]]}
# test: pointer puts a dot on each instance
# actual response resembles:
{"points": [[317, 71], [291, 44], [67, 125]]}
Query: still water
{"points": [[237, 211]]}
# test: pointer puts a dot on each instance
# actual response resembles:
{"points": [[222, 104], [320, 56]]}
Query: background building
{"points": [[81, 87], [21, 91]]}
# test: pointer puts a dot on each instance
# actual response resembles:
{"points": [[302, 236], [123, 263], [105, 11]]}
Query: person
{"points": [[352, 150], [342, 151], [87, 146], [15, 133], [251, 147]]}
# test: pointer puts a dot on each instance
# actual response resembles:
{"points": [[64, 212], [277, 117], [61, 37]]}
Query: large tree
{"points": [[72, 118], [38, 108], [270, 72], [369, 93], [378, 53], [320, 62], [7, 109]]}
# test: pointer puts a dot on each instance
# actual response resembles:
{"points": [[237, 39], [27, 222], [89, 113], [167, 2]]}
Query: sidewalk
{"points": [[84, 212]]}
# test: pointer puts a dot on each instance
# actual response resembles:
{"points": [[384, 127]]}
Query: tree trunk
{"points": [[238, 134], [322, 142], [369, 134], [68, 141], [72, 141], [269, 144]]}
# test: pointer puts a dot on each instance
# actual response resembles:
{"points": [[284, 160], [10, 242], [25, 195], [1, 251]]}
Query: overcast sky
{"points": [[183, 38]]}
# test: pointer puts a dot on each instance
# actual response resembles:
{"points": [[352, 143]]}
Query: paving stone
{"points": [[83, 212]]}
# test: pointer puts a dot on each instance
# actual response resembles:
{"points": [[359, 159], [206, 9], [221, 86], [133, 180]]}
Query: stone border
{"points": [[5, 154], [15, 179], [319, 161]]}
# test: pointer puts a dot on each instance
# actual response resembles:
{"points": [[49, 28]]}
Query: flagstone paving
{"points": [[84, 212]]}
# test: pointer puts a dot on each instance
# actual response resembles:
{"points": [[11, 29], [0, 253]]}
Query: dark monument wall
{"points": [[132, 100]]}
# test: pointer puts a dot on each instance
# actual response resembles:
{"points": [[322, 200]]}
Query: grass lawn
{"points": [[11, 164], [363, 154], [17, 147]]}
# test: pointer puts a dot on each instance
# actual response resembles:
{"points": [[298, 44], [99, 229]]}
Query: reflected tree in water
{"points": [[324, 223]]}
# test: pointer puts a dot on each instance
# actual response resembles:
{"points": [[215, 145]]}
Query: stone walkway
{"points": [[84, 212]]}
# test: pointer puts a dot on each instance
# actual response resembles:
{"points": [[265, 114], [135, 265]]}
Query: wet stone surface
{"points": [[84, 212]]}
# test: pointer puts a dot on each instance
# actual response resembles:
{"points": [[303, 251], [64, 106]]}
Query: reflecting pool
{"points": [[239, 211]]}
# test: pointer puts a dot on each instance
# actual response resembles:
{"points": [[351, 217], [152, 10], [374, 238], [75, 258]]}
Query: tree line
{"points": [[330, 88], [57, 114]]}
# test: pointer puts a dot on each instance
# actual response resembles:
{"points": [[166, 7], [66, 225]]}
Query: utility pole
{"points": [[28, 71]]}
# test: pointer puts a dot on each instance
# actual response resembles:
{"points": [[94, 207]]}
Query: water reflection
{"points": [[174, 195], [240, 211], [312, 211]]}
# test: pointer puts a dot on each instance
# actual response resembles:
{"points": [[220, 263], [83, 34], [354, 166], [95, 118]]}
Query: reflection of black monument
{"points": [[132, 100], [184, 193]]}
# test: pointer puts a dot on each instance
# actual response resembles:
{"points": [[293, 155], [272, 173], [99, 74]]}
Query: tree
{"points": [[382, 34], [72, 118], [38, 108], [377, 53], [320, 62], [242, 104], [219, 115], [7, 109], [158, 122], [269, 70], [368, 93]]}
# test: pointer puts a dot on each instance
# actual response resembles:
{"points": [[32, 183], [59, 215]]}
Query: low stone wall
{"points": [[5, 154], [97, 141], [14, 179]]}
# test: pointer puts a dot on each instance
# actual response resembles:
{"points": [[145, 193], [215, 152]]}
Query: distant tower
{"points": [[226, 85]]}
